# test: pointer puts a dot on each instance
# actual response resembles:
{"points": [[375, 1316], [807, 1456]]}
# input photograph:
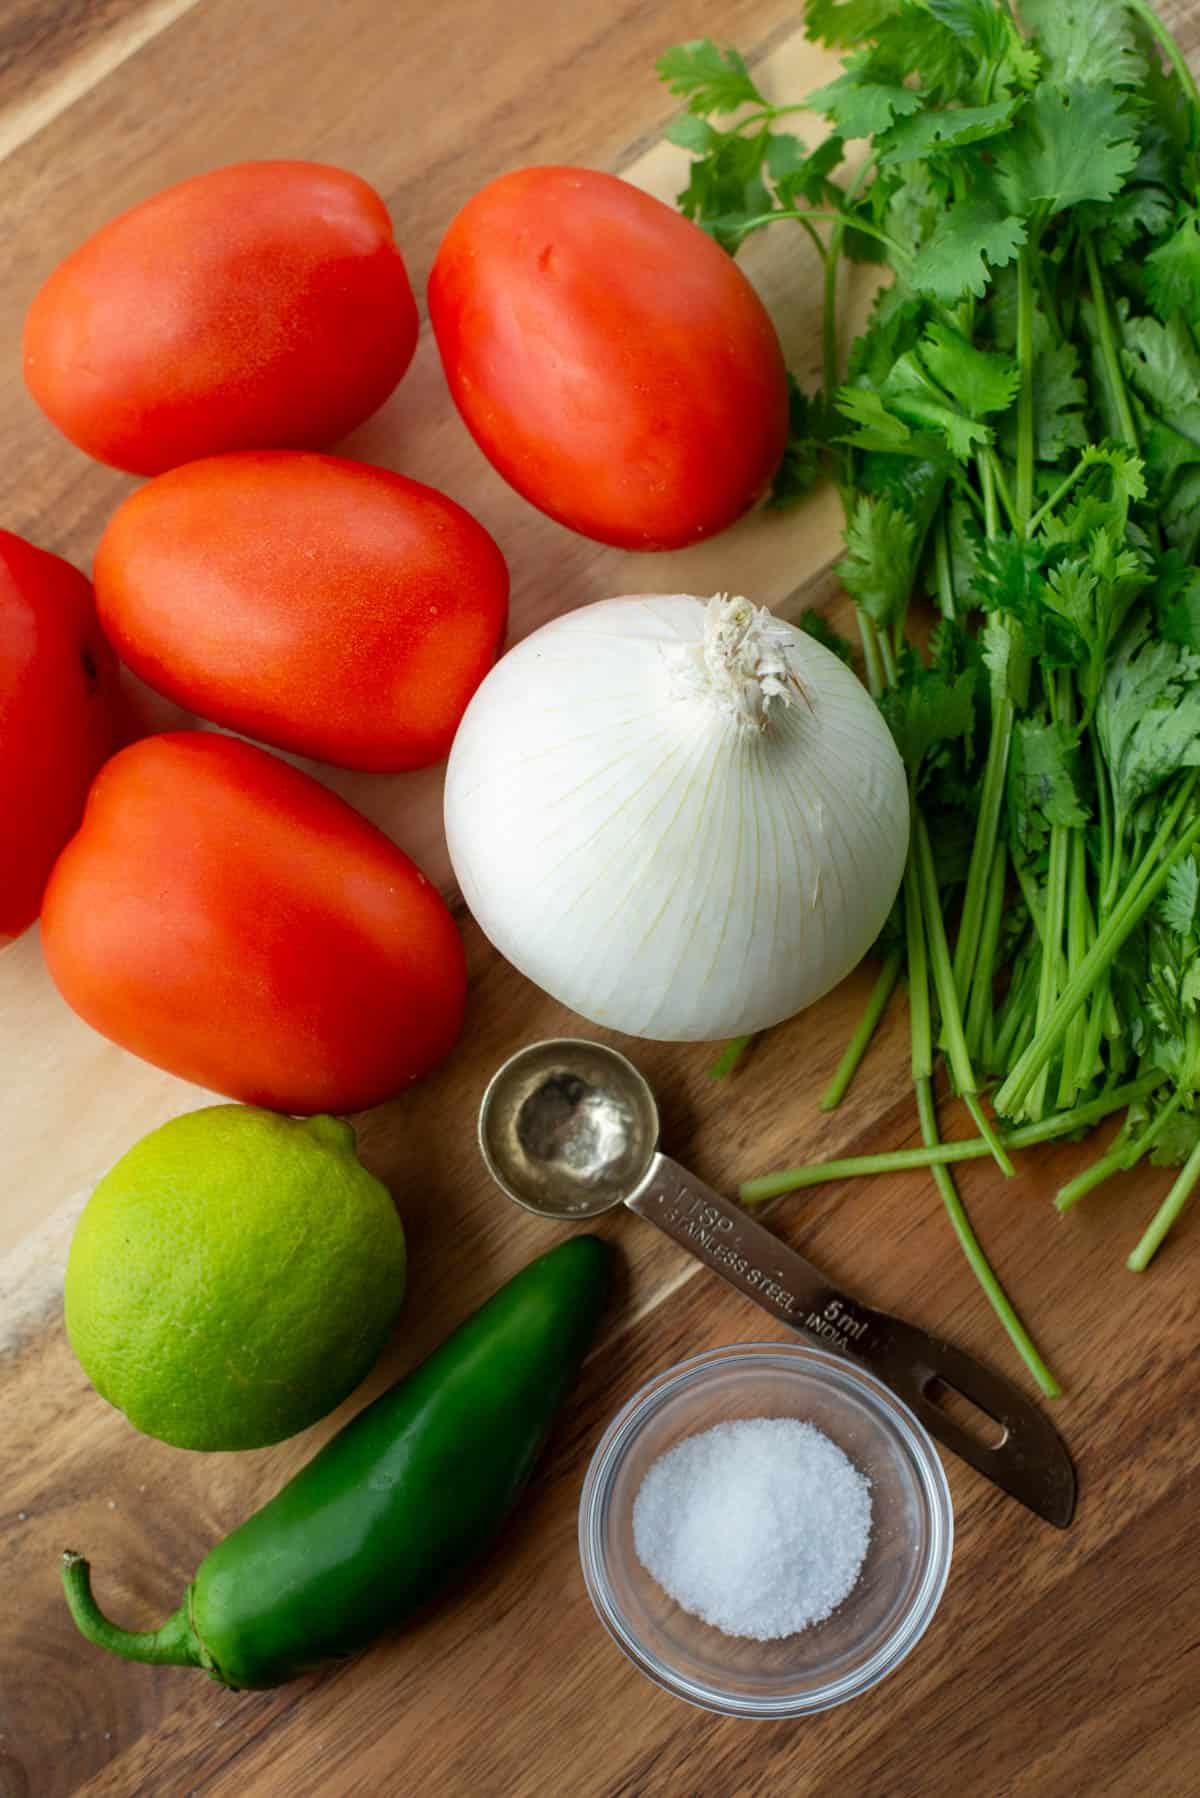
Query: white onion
{"points": [[684, 819]]}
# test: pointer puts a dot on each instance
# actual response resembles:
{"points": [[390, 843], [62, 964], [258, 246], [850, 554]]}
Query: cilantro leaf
{"points": [[1177, 1141], [1176, 600], [863, 101], [1006, 659], [709, 78], [895, 326], [1181, 898], [1069, 144], [875, 428], [800, 468], [1088, 41], [842, 22], [1011, 579], [990, 32], [801, 174], [689, 132], [1098, 512], [913, 483], [1163, 362], [878, 566], [1059, 398], [911, 393], [1142, 208], [980, 381], [926, 707], [974, 235], [1149, 713], [1042, 787], [964, 537], [726, 188], [915, 40], [945, 128], [1173, 270], [1163, 366], [1181, 514], [819, 627]]}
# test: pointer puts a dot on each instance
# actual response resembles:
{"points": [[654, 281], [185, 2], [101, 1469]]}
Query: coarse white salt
{"points": [[759, 1527]]}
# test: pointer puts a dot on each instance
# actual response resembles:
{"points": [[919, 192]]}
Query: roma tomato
{"points": [[610, 360], [321, 605], [260, 305], [227, 918], [58, 685]]}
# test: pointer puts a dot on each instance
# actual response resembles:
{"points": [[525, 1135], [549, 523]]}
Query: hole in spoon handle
{"points": [[720, 1234]]}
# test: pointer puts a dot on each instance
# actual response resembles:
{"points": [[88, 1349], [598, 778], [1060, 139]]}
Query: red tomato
{"points": [[226, 917], [258, 305], [324, 606], [58, 685], [613, 363]]}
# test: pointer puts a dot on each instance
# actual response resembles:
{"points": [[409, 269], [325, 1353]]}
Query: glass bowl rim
{"points": [[930, 1480]]}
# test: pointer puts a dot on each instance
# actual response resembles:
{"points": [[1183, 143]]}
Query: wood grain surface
{"points": [[1058, 1664]]}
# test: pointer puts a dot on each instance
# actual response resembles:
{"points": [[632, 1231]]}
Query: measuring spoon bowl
{"points": [[568, 1128]]}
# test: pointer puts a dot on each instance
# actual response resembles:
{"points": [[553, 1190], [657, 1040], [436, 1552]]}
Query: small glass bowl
{"points": [[908, 1555]]}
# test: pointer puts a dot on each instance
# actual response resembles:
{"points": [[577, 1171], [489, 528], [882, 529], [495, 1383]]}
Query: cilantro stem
{"points": [[1056, 897], [765, 114], [1006, 499], [1025, 438], [830, 357], [1114, 380], [729, 1057], [1125, 1152], [976, 1259], [1045, 288], [869, 638], [1102, 1169], [815, 238], [1162, 837], [1032, 898], [1076, 1068], [983, 848], [864, 1030], [1104, 808], [991, 518], [841, 219], [1060, 493], [1166, 1214], [941, 563], [918, 975], [947, 995], [922, 1071], [888, 654], [973, 1148], [979, 1009], [1170, 48], [1143, 891]]}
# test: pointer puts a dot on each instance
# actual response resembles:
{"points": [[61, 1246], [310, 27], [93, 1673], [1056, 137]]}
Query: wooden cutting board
{"points": [[1058, 1664]]}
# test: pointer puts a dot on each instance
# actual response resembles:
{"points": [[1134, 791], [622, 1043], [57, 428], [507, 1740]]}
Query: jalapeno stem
{"points": [[175, 1644]]}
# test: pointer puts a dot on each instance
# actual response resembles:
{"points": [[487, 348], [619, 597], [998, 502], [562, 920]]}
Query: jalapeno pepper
{"points": [[393, 1508]]}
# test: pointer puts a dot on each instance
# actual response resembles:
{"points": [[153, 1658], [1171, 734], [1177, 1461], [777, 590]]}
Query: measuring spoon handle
{"points": [[1029, 1460]]}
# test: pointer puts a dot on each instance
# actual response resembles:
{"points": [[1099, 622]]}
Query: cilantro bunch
{"points": [[1016, 440]]}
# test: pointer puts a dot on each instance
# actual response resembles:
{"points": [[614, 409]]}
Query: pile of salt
{"points": [[758, 1527]]}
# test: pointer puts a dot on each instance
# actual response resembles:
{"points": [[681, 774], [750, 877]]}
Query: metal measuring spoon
{"points": [[569, 1129]]}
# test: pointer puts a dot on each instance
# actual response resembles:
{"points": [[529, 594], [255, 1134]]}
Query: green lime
{"points": [[234, 1276]]}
